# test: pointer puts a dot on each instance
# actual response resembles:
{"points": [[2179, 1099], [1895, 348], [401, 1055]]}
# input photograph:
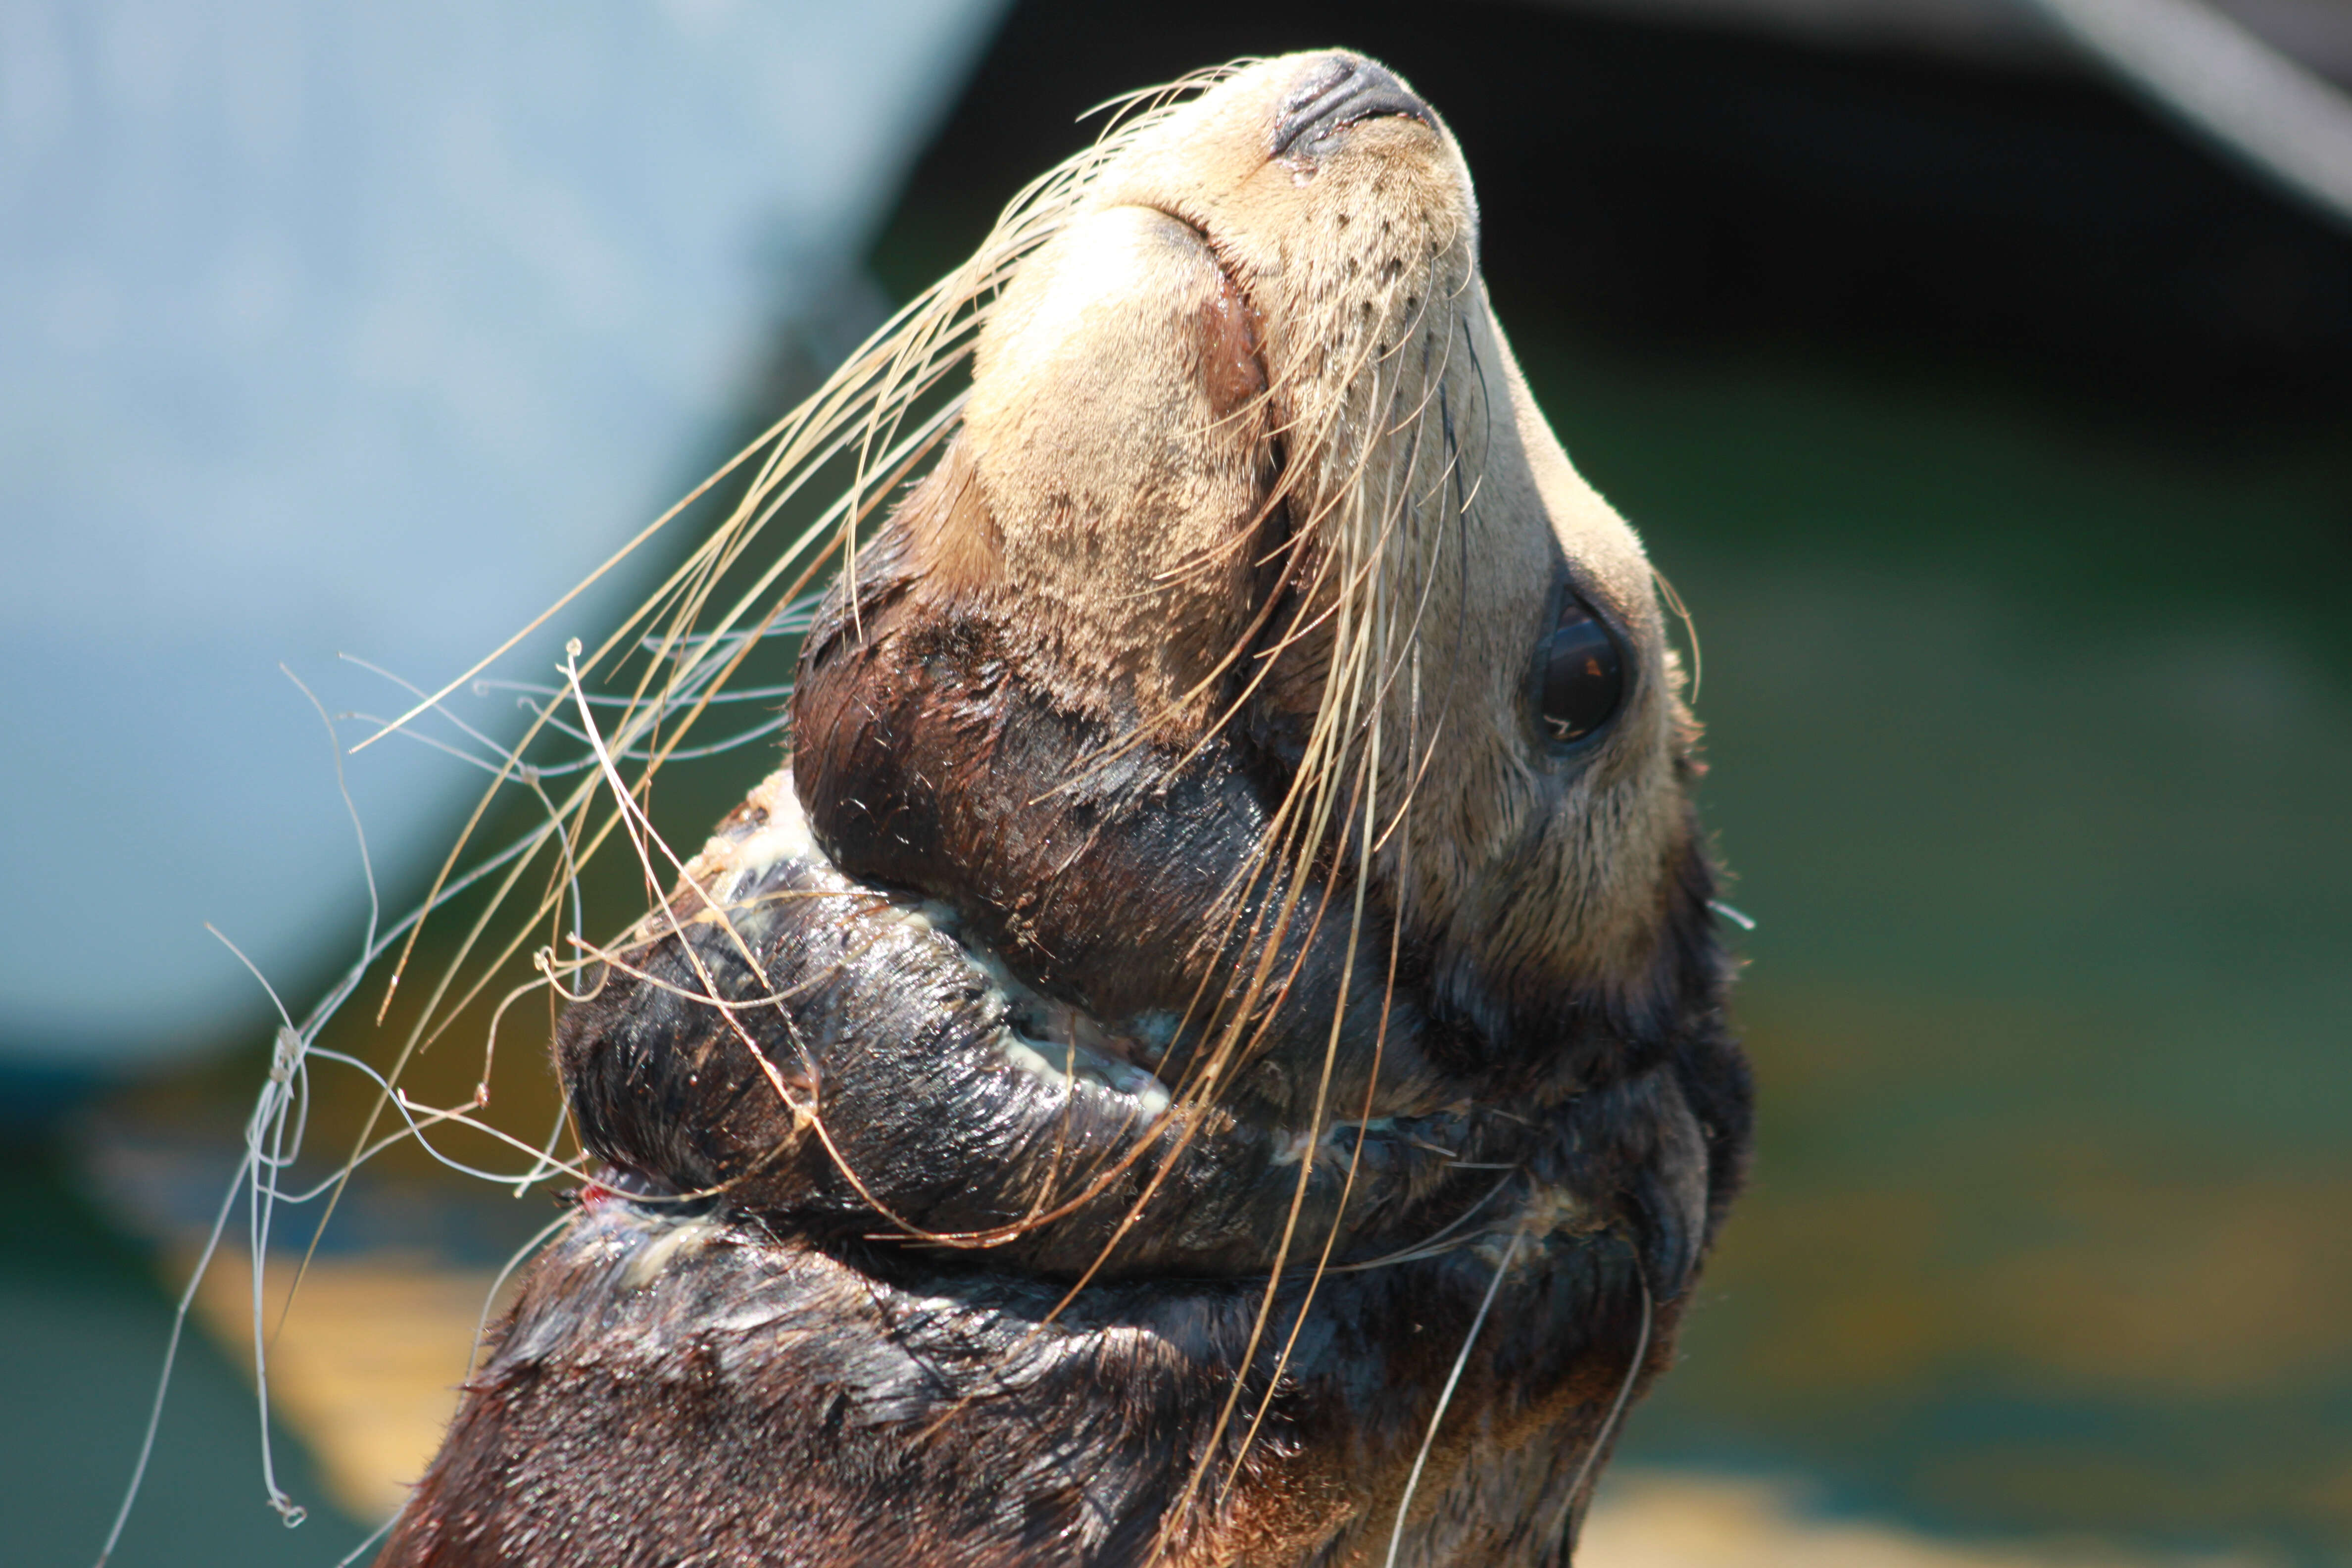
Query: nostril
{"points": [[1317, 81], [1340, 91]]}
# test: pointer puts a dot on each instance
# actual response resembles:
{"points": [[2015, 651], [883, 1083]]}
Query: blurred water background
{"points": [[1999, 438]]}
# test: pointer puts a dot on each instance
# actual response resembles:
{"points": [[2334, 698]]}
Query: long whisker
{"points": [[1580, 1496], [1445, 1395]]}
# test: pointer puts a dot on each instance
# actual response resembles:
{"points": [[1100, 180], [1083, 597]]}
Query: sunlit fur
{"points": [[1246, 469], [1431, 500]]}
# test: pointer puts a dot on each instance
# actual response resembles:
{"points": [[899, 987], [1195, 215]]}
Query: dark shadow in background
{"points": [[1672, 190]]}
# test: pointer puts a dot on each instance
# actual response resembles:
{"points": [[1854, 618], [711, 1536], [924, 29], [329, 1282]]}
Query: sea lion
{"points": [[1213, 1051]]}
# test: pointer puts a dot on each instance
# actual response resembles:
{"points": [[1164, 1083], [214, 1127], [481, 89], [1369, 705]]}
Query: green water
{"points": [[83, 1328], [2030, 739], [2031, 742]]}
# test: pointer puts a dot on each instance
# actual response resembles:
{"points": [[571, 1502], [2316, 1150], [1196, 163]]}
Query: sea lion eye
{"points": [[1580, 675]]}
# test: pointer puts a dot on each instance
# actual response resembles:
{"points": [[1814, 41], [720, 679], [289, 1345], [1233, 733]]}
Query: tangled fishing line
{"points": [[590, 745]]}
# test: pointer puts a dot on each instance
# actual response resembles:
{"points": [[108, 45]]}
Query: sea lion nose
{"points": [[1338, 90]]}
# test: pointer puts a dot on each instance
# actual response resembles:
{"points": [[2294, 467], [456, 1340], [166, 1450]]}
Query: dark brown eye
{"points": [[1579, 675]]}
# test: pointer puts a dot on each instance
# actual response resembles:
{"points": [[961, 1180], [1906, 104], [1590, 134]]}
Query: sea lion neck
{"points": [[1213, 1049]]}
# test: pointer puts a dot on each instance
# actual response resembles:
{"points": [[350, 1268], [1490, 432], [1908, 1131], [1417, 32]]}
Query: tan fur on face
{"points": [[1127, 483], [1217, 607]]}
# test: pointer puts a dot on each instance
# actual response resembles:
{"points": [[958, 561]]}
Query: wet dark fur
{"points": [[767, 1402], [787, 1388], [804, 1316]]}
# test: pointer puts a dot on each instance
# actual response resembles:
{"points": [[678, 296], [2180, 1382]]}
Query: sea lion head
{"points": [[1248, 462], [1508, 613], [1273, 740], [1234, 911]]}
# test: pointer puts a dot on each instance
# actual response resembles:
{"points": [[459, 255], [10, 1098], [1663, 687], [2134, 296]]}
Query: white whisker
{"points": [[1445, 1395]]}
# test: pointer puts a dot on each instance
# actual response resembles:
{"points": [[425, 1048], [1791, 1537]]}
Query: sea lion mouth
{"points": [[855, 1051], [1063, 1045]]}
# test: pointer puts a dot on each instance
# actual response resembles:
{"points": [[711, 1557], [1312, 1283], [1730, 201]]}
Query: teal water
{"points": [[2030, 746], [2030, 737], [83, 1327]]}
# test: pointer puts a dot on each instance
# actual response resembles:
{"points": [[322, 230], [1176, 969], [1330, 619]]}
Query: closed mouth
{"points": [[875, 1055], [1060, 1044]]}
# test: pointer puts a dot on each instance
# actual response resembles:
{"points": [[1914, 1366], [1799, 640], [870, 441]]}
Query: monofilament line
{"points": [[1445, 1395]]}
